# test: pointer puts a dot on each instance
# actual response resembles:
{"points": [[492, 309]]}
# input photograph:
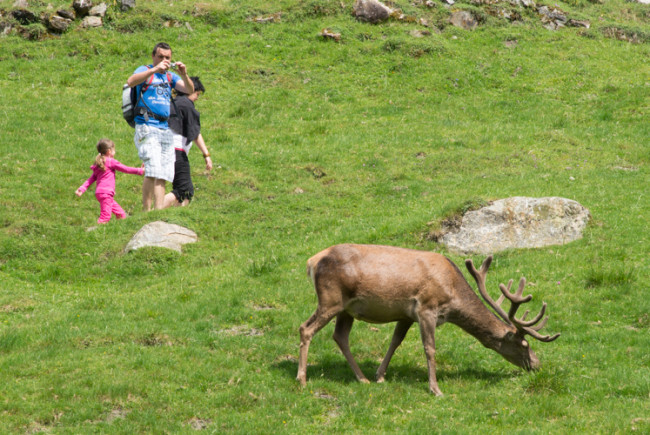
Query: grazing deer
{"points": [[381, 284]]}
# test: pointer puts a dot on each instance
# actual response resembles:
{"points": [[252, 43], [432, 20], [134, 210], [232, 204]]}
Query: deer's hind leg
{"points": [[341, 335]]}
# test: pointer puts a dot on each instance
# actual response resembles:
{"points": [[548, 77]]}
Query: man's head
{"points": [[162, 51]]}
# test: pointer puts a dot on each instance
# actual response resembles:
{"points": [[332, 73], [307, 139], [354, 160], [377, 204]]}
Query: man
{"points": [[185, 123], [153, 139]]}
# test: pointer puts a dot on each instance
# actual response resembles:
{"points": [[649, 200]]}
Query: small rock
{"points": [[82, 7], [464, 20], [328, 34], [91, 22], [126, 5], [66, 14], [98, 11], [371, 11], [58, 24]]}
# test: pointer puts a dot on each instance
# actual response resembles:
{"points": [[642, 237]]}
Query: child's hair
{"points": [[102, 148]]}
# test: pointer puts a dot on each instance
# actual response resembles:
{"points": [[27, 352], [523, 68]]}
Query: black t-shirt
{"points": [[184, 118]]}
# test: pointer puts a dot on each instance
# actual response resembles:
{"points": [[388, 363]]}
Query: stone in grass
{"points": [[163, 235], [515, 223]]}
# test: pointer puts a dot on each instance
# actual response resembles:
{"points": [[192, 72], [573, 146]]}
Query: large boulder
{"points": [[163, 235], [515, 223]]}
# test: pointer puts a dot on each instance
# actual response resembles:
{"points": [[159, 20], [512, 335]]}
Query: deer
{"points": [[383, 284]]}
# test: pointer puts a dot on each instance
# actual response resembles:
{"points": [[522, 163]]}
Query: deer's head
{"points": [[513, 346]]}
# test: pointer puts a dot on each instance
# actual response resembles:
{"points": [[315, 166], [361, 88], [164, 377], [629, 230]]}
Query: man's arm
{"points": [[186, 86], [142, 77], [206, 154]]}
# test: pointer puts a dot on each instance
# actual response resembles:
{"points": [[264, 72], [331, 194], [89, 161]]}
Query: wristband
{"points": [[205, 156]]}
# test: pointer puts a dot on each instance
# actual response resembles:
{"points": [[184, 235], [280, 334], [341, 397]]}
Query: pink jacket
{"points": [[106, 179]]}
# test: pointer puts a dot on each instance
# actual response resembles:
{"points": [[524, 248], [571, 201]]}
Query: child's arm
{"points": [[86, 185], [126, 169]]}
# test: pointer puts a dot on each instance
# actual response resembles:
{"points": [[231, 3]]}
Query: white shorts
{"points": [[156, 150]]}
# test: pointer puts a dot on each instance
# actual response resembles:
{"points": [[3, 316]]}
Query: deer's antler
{"points": [[516, 299]]}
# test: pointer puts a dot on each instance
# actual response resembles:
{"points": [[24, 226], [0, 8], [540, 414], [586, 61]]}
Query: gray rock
{"points": [[552, 19], [464, 20], [91, 22], [21, 4], [371, 11], [163, 235], [127, 4], [98, 11], [66, 14], [82, 7], [58, 24], [516, 223]]}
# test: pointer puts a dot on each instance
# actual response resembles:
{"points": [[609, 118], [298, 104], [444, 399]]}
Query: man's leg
{"points": [[147, 192], [159, 194]]}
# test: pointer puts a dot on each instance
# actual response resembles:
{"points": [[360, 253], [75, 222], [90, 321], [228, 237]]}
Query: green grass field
{"points": [[371, 140]]}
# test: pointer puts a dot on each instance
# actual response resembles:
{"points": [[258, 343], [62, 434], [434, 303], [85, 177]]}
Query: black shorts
{"points": [[183, 187]]}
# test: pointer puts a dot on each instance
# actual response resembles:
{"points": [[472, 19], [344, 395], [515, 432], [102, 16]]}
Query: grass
{"points": [[320, 143]]}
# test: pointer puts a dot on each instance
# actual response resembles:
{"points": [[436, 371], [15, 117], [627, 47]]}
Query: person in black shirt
{"points": [[185, 123]]}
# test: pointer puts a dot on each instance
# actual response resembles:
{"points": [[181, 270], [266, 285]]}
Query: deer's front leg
{"points": [[427, 321], [401, 329]]}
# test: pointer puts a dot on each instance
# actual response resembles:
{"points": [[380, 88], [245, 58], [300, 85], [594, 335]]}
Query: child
{"points": [[104, 173]]}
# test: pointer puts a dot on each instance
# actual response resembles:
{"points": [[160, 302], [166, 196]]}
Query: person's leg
{"points": [[170, 200], [105, 207], [118, 210], [158, 194], [147, 192]]}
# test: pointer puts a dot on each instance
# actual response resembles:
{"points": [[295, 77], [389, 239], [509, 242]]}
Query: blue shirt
{"points": [[157, 97]]}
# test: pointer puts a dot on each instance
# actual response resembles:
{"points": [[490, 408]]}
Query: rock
{"points": [[371, 11], [5, 28], [464, 20], [578, 23], [329, 34], [82, 7], [552, 19], [25, 17], [66, 14], [21, 4], [98, 11], [127, 5], [525, 3], [263, 19], [516, 223], [58, 24], [163, 235], [91, 22]]}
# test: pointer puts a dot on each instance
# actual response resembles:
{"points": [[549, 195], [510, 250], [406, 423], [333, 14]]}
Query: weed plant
{"points": [[372, 140]]}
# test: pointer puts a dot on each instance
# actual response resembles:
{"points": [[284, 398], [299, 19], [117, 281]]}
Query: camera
{"points": [[172, 65]]}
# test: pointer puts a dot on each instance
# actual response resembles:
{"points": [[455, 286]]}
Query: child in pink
{"points": [[104, 174]]}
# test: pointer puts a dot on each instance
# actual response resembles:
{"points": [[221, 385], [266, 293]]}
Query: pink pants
{"points": [[107, 206]]}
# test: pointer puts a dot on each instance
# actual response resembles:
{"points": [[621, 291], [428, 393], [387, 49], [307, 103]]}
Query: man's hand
{"points": [[182, 69], [162, 67]]}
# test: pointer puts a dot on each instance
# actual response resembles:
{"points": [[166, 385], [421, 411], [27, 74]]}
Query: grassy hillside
{"points": [[370, 140]]}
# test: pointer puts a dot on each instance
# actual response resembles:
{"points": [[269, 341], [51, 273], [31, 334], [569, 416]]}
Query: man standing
{"points": [[185, 123], [153, 139]]}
